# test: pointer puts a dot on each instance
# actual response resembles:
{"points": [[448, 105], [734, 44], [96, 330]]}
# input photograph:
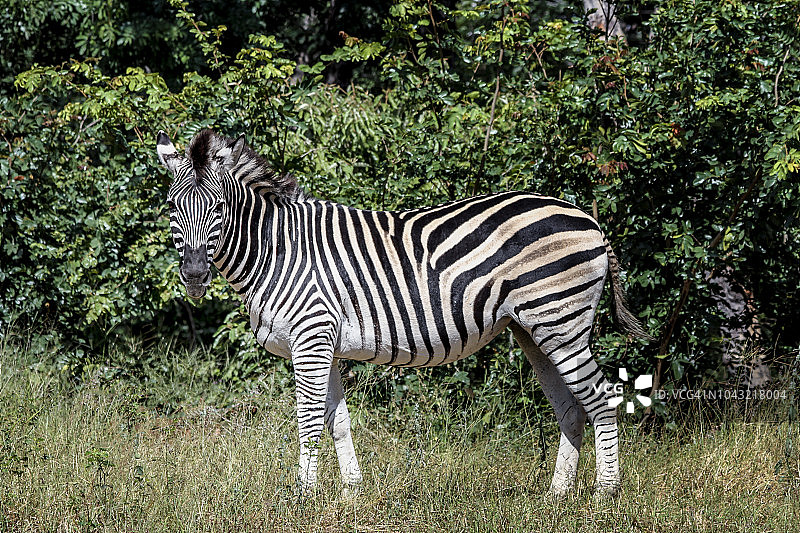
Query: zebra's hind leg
{"points": [[578, 370], [583, 377], [337, 420], [569, 413]]}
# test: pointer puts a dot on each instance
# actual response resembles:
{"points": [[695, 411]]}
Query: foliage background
{"points": [[686, 137]]}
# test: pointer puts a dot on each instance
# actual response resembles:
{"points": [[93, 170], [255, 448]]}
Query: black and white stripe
{"points": [[415, 288]]}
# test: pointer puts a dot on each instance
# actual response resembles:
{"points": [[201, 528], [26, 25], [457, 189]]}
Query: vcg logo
{"points": [[645, 381]]}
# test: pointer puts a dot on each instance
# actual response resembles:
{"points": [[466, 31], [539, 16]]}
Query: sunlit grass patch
{"points": [[98, 457]]}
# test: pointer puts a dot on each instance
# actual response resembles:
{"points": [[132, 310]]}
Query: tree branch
{"points": [[494, 104], [778, 75], [192, 328]]}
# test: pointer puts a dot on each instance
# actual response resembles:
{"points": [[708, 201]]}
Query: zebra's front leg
{"points": [[312, 368], [337, 420]]}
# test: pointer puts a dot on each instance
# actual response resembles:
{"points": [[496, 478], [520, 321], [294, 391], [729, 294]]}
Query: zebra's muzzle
{"points": [[196, 287], [195, 272], [195, 291]]}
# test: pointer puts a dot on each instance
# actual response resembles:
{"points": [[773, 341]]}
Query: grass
{"points": [[95, 457]]}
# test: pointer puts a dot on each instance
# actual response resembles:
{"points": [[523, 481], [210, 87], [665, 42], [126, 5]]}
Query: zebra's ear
{"points": [[231, 153], [235, 148], [167, 153]]}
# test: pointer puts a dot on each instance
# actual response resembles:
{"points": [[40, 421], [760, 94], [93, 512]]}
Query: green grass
{"points": [[96, 457]]}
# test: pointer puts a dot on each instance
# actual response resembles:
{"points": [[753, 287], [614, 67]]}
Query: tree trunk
{"points": [[740, 331], [604, 18]]}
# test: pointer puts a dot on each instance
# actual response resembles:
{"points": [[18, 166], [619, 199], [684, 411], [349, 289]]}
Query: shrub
{"points": [[687, 142]]}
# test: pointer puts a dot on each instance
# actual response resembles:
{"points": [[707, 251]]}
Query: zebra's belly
{"points": [[381, 344], [388, 348]]}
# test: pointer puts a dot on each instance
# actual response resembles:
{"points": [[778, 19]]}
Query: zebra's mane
{"points": [[251, 169]]}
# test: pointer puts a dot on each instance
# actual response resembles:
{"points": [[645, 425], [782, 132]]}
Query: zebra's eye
{"points": [[171, 206], [219, 206]]}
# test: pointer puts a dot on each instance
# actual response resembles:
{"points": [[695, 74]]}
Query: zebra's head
{"points": [[196, 201]]}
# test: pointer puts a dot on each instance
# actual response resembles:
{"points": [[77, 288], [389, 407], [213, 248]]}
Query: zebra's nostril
{"points": [[202, 277], [195, 274]]}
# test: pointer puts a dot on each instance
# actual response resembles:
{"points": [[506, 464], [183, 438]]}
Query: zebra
{"points": [[322, 281]]}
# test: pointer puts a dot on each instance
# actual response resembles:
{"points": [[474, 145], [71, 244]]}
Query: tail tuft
{"points": [[629, 323]]}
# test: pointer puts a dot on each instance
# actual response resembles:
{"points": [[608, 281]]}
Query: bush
{"points": [[688, 142]]}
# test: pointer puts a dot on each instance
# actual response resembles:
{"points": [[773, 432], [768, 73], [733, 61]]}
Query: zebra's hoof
{"points": [[560, 492], [350, 492], [606, 492], [306, 492]]}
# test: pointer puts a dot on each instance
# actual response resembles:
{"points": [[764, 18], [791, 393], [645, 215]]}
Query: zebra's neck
{"points": [[260, 230]]}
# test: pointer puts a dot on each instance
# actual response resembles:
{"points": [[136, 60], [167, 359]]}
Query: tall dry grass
{"points": [[95, 458]]}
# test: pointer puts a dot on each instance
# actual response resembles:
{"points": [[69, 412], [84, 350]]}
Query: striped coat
{"points": [[323, 281]]}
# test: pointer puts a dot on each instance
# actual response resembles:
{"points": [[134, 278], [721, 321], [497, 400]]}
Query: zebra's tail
{"points": [[629, 323]]}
